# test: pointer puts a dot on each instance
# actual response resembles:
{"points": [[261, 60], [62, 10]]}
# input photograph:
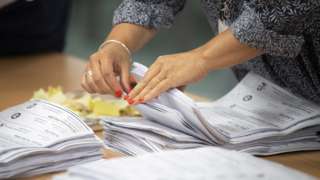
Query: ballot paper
{"points": [[257, 117], [38, 137], [257, 106], [173, 102], [149, 136], [202, 163]]}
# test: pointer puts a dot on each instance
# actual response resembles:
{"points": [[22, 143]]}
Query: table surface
{"points": [[21, 76]]}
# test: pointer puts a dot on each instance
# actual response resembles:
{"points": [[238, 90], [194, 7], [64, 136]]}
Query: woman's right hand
{"points": [[104, 68]]}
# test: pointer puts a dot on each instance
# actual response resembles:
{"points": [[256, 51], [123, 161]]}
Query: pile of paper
{"points": [[39, 137], [202, 163], [134, 136], [257, 116]]}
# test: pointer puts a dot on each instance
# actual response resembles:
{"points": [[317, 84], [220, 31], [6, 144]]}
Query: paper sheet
{"points": [[202, 163], [257, 105], [38, 124]]}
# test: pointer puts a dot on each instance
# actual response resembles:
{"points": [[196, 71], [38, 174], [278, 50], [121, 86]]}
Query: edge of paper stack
{"points": [[257, 117], [209, 163], [38, 137]]}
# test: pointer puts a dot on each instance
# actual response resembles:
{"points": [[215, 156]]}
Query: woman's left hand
{"points": [[167, 72]]}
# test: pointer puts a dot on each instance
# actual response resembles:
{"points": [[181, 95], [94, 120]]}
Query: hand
{"points": [[168, 72], [104, 67]]}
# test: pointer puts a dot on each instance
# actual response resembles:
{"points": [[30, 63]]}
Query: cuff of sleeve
{"points": [[249, 29], [150, 15]]}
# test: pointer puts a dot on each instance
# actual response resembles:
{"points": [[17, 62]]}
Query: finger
{"points": [[133, 83], [160, 88], [152, 72], [151, 85], [85, 85], [90, 83], [87, 81], [125, 78], [97, 77], [110, 77]]}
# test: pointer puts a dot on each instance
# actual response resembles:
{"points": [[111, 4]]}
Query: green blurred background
{"points": [[90, 21]]}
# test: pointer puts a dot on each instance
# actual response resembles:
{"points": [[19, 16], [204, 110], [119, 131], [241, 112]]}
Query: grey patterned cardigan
{"points": [[287, 30]]}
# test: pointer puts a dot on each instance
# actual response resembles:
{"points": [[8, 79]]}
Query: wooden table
{"points": [[20, 77]]}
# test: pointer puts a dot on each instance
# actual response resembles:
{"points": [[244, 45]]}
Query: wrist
{"points": [[114, 50], [202, 61], [114, 47]]}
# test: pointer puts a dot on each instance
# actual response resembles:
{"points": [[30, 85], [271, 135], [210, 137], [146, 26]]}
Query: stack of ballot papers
{"points": [[194, 164], [257, 117], [38, 137]]}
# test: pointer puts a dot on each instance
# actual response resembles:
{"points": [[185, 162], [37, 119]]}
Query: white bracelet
{"points": [[117, 42]]}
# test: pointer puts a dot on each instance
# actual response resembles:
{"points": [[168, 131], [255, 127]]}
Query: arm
{"points": [[225, 51], [184, 68], [263, 27], [113, 60], [133, 36], [135, 23]]}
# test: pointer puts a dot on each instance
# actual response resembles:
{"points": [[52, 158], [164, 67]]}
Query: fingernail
{"points": [[130, 101], [126, 97], [133, 79], [118, 93]]}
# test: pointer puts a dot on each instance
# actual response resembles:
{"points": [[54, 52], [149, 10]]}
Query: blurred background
{"points": [[90, 21]]}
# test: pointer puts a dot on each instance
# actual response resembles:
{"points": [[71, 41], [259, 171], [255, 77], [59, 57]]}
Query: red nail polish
{"points": [[126, 97], [118, 93], [131, 101], [133, 79]]}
